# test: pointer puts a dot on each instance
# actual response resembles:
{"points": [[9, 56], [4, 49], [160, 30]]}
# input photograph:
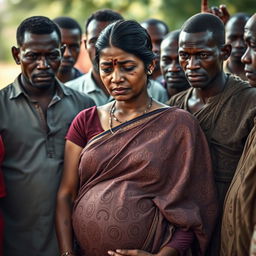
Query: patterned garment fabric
{"points": [[141, 181]]}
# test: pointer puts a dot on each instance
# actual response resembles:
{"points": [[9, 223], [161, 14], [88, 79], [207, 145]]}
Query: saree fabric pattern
{"points": [[136, 185]]}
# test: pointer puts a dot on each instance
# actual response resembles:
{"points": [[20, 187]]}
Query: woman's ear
{"points": [[225, 51], [151, 68], [16, 54]]}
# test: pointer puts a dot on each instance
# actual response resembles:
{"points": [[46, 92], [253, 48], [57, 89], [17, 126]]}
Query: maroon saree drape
{"points": [[136, 185]]}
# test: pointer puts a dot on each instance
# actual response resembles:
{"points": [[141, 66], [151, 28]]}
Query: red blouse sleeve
{"points": [[85, 126], [181, 241]]}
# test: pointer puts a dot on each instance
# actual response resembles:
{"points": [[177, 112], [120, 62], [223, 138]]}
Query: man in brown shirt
{"points": [[239, 215], [36, 111], [224, 105]]}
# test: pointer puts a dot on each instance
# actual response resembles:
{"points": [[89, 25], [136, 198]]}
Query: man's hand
{"points": [[221, 11]]}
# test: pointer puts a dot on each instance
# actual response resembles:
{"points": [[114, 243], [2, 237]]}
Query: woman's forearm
{"points": [[64, 224], [168, 251]]}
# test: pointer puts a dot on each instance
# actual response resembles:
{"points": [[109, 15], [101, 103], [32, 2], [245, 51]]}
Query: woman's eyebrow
{"points": [[113, 62]]}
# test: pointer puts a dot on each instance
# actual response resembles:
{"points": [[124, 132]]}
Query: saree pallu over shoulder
{"points": [[136, 185]]}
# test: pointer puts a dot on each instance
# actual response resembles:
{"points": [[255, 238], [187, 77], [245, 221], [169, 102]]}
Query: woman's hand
{"points": [[123, 252], [165, 251]]}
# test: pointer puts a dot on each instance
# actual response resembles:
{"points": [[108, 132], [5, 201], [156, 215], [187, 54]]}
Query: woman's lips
{"points": [[120, 91]]}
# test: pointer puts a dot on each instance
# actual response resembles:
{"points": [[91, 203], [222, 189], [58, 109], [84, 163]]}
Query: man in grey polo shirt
{"points": [[35, 112], [91, 83]]}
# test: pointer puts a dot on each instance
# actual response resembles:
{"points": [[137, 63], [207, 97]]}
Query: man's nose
{"points": [[240, 43], [43, 63], [174, 66], [246, 58], [67, 52], [192, 63]]}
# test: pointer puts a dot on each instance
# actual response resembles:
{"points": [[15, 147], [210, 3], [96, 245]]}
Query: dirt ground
{"points": [[8, 73]]}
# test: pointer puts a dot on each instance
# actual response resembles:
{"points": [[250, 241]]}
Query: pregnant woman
{"points": [[137, 174]]}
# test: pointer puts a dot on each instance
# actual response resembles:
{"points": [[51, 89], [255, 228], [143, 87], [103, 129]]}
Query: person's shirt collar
{"points": [[17, 89]]}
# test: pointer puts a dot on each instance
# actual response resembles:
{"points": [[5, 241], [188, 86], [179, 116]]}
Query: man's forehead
{"points": [[40, 42], [196, 38], [250, 26], [169, 42], [171, 46], [40, 38], [70, 32], [95, 27]]}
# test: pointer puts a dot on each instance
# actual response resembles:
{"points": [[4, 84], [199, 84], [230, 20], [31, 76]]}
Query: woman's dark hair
{"points": [[129, 36]]}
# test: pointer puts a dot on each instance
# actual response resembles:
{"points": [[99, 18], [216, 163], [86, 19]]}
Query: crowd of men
{"points": [[207, 68]]}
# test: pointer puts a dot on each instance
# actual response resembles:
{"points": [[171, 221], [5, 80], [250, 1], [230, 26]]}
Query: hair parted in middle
{"points": [[129, 36]]}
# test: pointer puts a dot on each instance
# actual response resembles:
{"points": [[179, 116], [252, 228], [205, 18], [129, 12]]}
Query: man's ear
{"points": [[16, 54], [225, 51]]}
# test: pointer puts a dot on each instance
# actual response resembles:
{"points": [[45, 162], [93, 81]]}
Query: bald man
{"points": [[235, 37], [157, 29], [215, 99], [174, 76], [239, 217]]}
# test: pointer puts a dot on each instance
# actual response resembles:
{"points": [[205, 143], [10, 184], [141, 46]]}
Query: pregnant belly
{"points": [[112, 216]]}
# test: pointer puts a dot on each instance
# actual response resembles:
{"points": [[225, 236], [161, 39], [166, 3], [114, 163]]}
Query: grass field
{"points": [[8, 73]]}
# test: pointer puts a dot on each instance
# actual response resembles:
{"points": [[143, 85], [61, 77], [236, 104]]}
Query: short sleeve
{"points": [[85, 126]]}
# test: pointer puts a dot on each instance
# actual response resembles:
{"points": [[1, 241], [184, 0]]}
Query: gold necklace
{"points": [[113, 116]]}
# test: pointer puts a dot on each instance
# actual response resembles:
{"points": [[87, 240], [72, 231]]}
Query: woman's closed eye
{"points": [[128, 68], [106, 69]]}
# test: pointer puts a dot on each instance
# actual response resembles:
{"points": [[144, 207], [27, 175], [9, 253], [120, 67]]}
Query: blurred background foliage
{"points": [[173, 12]]}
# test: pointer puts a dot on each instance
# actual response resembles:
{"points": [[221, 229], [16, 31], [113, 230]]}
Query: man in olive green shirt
{"points": [[35, 113]]}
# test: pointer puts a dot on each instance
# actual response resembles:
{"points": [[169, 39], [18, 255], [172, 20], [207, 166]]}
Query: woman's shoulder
{"points": [[181, 115], [88, 112]]}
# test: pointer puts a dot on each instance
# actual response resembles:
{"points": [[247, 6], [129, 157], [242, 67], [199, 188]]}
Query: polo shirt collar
{"points": [[91, 84], [17, 89]]}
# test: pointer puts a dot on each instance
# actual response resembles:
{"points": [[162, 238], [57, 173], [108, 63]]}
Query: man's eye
{"points": [[165, 60], [54, 56], [73, 47], [203, 55], [31, 56], [183, 55]]}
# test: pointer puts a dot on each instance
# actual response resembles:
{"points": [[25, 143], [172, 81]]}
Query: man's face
{"points": [[71, 38], [235, 37], [173, 73], [249, 58], [157, 33], [200, 58], [39, 57], [93, 31]]}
